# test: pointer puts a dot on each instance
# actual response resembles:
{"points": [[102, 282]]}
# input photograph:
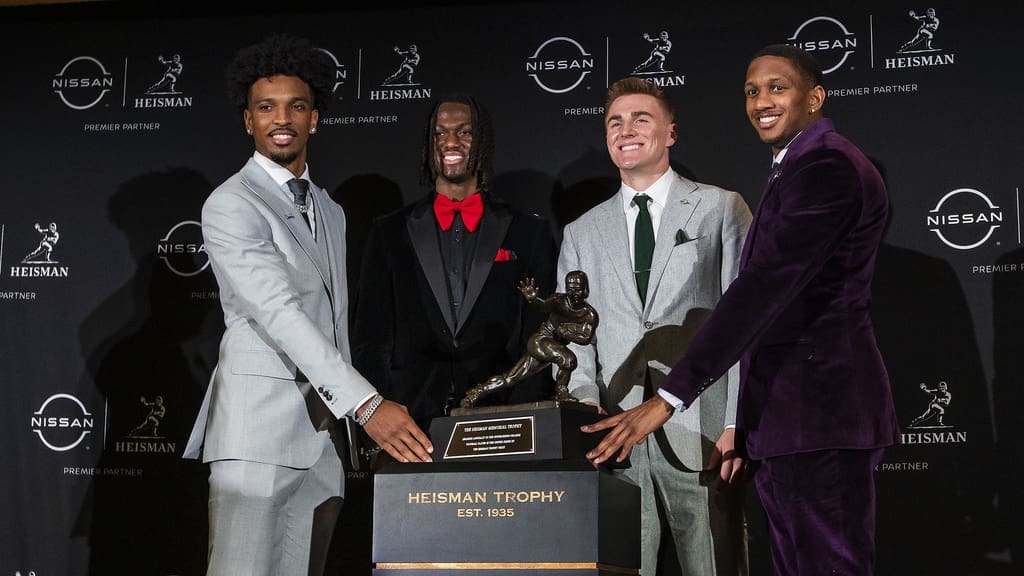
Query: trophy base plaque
{"points": [[514, 518], [547, 430]]}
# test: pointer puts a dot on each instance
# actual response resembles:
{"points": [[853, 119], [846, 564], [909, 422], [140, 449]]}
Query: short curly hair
{"points": [[281, 55]]}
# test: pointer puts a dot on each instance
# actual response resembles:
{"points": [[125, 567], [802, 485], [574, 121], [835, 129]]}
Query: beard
{"points": [[284, 158], [454, 174]]}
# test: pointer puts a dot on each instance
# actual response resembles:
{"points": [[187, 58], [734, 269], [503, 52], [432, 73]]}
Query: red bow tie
{"points": [[472, 208]]}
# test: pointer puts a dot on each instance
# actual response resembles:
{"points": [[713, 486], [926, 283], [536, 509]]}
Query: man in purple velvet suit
{"points": [[815, 406]]}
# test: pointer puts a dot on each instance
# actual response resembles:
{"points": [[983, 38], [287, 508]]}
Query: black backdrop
{"points": [[126, 310]]}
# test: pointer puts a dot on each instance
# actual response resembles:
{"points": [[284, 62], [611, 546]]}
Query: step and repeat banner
{"points": [[117, 126]]}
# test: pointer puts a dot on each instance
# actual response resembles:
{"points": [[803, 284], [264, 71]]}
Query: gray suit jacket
{"points": [[284, 372], [696, 256]]}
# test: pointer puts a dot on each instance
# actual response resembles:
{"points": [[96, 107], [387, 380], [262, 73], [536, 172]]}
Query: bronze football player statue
{"points": [[570, 320]]}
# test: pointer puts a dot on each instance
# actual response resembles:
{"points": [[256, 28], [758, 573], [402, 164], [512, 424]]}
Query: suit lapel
{"points": [[679, 207], [423, 232], [803, 142], [491, 232], [610, 227], [325, 228], [748, 243], [257, 181]]}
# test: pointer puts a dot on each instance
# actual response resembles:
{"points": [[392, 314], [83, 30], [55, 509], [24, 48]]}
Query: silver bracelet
{"points": [[368, 413]]}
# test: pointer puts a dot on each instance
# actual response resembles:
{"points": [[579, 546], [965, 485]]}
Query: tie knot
{"points": [[641, 201], [299, 190]]}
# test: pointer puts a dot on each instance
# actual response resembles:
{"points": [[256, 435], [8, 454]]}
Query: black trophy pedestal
{"points": [[473, 518], [510, 489]]}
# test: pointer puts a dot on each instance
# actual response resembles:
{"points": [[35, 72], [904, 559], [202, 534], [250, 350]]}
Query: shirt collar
{"points": [[657, 191], [278, 173], [782, 153]]}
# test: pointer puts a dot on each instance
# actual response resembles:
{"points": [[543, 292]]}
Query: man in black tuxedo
{"points": [[438, 310]]}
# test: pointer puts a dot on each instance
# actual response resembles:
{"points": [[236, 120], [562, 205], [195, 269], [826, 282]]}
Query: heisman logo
{"points": [[167, 84], [149, 427], [933, 416], [43, 254], [654, 67], [919, 50], [145, 438], [655, 63], [40, 262], [925, 33], [403, 76]]}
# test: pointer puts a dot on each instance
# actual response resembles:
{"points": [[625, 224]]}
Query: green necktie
{"points": [[643, 245]]}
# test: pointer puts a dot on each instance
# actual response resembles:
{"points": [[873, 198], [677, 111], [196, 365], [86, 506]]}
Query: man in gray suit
{"points": [[658, 255], [271, 422]]}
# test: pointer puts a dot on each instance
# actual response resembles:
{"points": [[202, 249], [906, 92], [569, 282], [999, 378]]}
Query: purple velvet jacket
{"points": [[796, 317]]}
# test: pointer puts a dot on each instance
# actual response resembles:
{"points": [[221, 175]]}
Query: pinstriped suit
{"points": [[696, 256]]}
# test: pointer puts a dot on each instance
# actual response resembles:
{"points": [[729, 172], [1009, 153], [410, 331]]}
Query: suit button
{"points": [[648, 324], [455, 344]]}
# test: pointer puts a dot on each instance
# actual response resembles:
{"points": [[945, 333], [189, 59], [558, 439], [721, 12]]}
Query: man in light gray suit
{"points": [[651, 302], [273, 421]]}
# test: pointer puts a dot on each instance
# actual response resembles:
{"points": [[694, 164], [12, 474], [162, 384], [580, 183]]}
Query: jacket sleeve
{"points": [[820, 205], [248, 257]]}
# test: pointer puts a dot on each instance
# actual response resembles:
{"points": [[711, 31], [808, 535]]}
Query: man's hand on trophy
{"points": [[391, 427]]}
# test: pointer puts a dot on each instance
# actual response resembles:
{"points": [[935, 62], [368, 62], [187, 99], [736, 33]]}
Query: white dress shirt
{"points": [[281, 176]]}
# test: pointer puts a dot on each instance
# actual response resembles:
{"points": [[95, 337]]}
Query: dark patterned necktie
{"points": [[300, 189]]}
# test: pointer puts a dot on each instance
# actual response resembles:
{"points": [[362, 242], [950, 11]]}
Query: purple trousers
{"points": [[821, 511]]}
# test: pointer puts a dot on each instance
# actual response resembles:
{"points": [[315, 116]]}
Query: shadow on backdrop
{"points": [[939, 478], [363, 197], [1008, 393], [529, 191], [150, 349]]}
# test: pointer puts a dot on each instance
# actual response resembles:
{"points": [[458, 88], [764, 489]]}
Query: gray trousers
{"points": [[704, 515], [268, 520]]}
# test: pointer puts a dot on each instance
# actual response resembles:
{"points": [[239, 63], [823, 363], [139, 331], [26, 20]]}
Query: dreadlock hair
{"points": [[806, 64], [284, 55], [480, 154], [634, 85]]}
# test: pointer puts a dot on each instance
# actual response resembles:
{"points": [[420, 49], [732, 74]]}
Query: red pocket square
{"points": [[504, 255]]}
